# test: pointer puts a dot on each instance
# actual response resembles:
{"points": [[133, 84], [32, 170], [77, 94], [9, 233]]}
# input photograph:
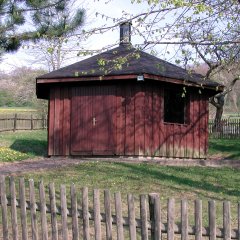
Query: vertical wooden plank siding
{"points": [[66, 122], [51, 121], [190, 129], [129, 130], [120, 102], [13, 209], [206, 124], [197, 119], [57, 128], [139, 121], [133, 122], [156, 114], [59, 122], [162, 129], [202, 127], [148, 116]]}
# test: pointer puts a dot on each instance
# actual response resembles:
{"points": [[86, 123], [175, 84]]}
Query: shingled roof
{"points": [[126, 60]]}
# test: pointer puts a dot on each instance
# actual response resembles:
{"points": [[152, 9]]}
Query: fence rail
{"points": [[226, 128], [66, 218], [13, 122]]}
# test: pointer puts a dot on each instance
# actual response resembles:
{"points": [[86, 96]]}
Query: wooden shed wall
{"points": [[138, 126]]}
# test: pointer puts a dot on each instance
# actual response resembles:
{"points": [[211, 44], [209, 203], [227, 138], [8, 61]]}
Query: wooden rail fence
{"points": [[226, 128], [13, 122], [52, 215]]}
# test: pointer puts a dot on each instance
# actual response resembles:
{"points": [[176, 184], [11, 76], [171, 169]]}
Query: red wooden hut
{"points": [[126, 102]]}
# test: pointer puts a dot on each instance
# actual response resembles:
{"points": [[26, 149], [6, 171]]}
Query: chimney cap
{"points": [[125, 33]]}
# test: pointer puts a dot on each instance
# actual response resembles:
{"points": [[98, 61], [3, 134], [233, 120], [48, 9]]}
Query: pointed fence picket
{"points": [[40, 213]]}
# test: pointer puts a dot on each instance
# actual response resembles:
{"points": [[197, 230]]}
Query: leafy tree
{"points": [[191, 32], [39, 16], [56, 46], [18, 89]]}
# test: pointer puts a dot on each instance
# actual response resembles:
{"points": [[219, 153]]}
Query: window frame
{"points": [[186, 105]]}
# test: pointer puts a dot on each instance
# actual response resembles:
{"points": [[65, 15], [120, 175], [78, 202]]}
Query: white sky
{"points": [[112, 8]]}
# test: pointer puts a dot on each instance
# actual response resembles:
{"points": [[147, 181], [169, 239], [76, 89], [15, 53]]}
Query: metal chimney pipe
{"points": [[125, 33]]}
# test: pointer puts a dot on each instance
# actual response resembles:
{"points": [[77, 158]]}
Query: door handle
{"points": [[94, 121]]}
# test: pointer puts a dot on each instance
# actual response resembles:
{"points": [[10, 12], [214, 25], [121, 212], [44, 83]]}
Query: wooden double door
{"points": [[93, 120]]}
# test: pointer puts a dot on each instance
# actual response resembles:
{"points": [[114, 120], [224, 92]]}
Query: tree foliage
{"points": [[189, 31], [64, 23], [18, 88], [24, 20]]}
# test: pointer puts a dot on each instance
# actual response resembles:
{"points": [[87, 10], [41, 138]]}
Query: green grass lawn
{"points": [[178, 182], [225, 148], [189, 183], [5, 110], [20, 145]]}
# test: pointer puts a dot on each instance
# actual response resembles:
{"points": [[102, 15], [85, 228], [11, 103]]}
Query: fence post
{"points": [[107, 206], [33, 210], [31, 122], [226, 220], [238, 216], [43, 121], [212, 220], [23, 211], [118, 209], [170, 219], [4, 207], [13, 209], [131, 217], [97, 215], [43, 211], [75, 228], [198, 219], [86, 235], [63, 201], [53, 211], [15, 122], [155, 216], [184, 220], [143, 214]]}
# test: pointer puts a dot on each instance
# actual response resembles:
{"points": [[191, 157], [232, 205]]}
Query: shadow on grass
{"points": [[31, 147], [228, 147], [173, 177]]}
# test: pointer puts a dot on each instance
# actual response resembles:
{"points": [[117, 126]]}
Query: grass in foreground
{"points": [[170, 182], [187, 182], [20, 145]]}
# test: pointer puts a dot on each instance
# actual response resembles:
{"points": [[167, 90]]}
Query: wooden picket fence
{"points": [[13, 122], [60, 217], [226, 128]]}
